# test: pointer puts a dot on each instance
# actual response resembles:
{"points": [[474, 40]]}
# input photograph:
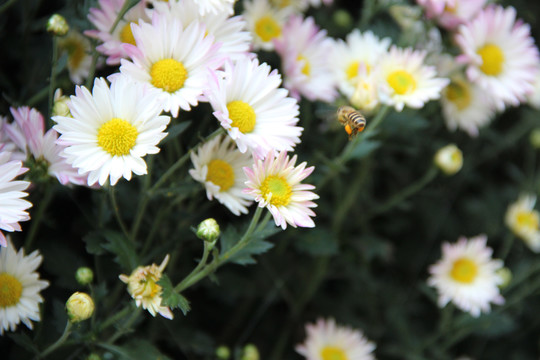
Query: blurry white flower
{"points": [[524, 221]]}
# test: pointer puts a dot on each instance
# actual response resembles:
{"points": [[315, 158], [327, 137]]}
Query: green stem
{"points": [[507, 245], [193, 277], [52, 79], [38, 97], [125, 327], [111, 320], [198, 268], [116, 209], [58, 343], [7, 5], [408, 191], [36, 219]]}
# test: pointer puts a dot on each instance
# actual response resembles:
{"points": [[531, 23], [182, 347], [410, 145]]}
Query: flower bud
{"points": [[93, 356], [342, 18], [449, 159], [223, 352], [84, 275], [250, 352], [60, 107], [79, 307], [534, 138], [57, 25], [506, 276], [208, 230]]}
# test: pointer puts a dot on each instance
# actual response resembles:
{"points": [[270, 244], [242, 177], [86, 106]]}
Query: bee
{"points": [[352, 119]]}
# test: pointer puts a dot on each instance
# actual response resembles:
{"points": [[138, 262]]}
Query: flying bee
{"points": [[352, 119]]}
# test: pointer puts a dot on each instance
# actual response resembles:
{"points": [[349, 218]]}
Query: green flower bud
{"points": [[223, 352], [250, 352], [57, 25], [449, 159], [342, 18], [534, 138], [84, 275], [93, 356], [79, 307], [208, 230], [506, 275]]}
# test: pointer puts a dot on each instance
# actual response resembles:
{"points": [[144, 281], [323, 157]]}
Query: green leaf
{"points": [[175, 131], [94, 241], [171, 298], [122, 247], [489, 325], [256, 245]]}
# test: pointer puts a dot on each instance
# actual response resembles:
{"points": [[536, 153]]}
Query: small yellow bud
{"points": [[84, 275], [208, 230], [79, 307], [506, 276], [60, 107], [250, 352], [534, 138], [57, 25], [449, 159], [223, 352]]}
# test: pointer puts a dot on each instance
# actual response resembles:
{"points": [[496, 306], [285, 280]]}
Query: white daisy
{"points": [[500, 54], [111, 129], [19, 288], [359, 51], [174, 61], [229, 32], [12, 206], [103, 19], [215, 6], [143, 287], [248, 102], [524, 221], [265, 22], [467, 276], [218, 165], [275, 183], [451, 13], [41, 152], [466, 106], [405, 80], [328, 341], [79, 58], [305, 63]]}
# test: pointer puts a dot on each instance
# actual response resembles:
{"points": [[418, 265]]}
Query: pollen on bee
{"points": [[348, 129]]}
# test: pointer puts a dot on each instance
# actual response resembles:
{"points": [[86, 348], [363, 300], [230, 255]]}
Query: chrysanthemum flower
{"points": [[229, 32], [406, 81], [451, 13], [533, 98], [174, 61], [103, 19], [215, 6], [467, 276], [275, 183], [111, 130], [328, 341], [41, 152], [19, 288], [358, 51], [218, 165], [264, 22], [524, 221], [6, 144], [143, 288], [304, 54], [500, 54], [12, 206], [79, 59], [249, 104], [466, 106]]}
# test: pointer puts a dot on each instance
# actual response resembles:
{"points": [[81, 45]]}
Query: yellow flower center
{"points": [[402, 82], [333, 353], [126, 36], [464, 270], [267, 28], [242, 115], [528, 219], [168, 74], [276, 190], [492, 59], [459, 93], [10, 290], [220, 173], [306, 69], [117, 137], [352, 70]]}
